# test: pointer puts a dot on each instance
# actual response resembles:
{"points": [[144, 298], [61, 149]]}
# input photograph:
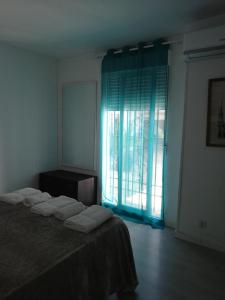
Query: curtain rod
{"points": [[150, 45]]}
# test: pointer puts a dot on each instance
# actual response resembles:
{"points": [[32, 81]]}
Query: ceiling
{"points": [[68, 27]]}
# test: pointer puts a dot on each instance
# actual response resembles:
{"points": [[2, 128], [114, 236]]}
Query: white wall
{"points": [[89, 68], [203, 168], [177, 72], [28, 117]]}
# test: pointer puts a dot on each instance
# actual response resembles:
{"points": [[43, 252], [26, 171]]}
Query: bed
{"points": [[41, 259]]}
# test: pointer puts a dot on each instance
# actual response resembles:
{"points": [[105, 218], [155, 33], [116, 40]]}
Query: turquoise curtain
{"points": [[133, 120]]}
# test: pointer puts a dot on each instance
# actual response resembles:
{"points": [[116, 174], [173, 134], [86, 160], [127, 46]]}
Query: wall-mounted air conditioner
{"points": [[206, 42]]}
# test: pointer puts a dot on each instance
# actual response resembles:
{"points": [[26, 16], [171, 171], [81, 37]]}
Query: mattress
{"points": [[41, 259]]}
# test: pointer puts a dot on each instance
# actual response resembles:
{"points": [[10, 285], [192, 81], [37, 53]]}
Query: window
{"points": [[133, 138]]}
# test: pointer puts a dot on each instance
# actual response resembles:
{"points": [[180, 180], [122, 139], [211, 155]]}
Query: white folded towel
{"points": [[89, 219], [36, 198], [43, 209], [28, 191], [70, 210], [49, 207], [12, 198], [18, 196], [61, 201]]}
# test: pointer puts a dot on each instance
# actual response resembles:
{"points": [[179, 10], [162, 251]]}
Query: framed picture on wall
{"points": [[216, 113]]}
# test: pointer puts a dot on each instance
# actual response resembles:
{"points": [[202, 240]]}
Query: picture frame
{"points": [[215, 135]]}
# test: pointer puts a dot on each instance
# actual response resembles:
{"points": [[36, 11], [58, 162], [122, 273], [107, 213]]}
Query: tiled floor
{"points": [[171, 269]]}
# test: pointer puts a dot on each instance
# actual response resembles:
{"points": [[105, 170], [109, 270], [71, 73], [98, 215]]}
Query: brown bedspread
{"points": [[40, 259]]}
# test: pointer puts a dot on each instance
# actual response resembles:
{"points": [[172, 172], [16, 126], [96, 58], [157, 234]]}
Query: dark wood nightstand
{"points": [[79, 186]]}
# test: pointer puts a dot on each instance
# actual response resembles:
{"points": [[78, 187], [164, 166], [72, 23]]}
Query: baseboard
{"points": [[201, 242], [170, 225]]}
